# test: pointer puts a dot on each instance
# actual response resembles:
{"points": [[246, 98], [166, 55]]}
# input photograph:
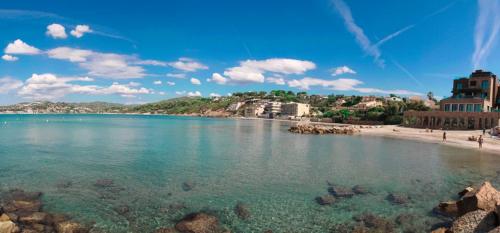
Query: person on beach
{"points": [[444, 136], [484, 131], [480, 141]]}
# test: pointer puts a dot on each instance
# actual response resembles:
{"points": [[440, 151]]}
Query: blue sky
{"points": [[145, 51]]}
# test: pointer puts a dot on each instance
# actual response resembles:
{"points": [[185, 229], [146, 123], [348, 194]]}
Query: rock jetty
{"points": [[22, 212], [323, 129], [478, 210]]}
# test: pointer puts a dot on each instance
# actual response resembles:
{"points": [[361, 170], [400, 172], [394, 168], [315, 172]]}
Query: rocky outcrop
{"points": [[475, 221], [322, 129], [476, 211], [398, 199], [22, 212], [339, 191], [485, 198]]}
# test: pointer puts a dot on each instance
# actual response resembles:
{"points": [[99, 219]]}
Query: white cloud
{"points": [[19, 47], [343, 85], [252, 71], [8, 57], [80, 30], [157, 82], [133, 84], [71, 54], [180, 92], [162, 93], [56, 31], [195, 81], [151, 63], [105, 65], [170, 83], [486, 30], [9, 84], [276, 80], [49, 86], [172, 75], [279, 65], [188, 65], [357, 31], [194, 94], [342, 70], [217, 78], [215, 95]]}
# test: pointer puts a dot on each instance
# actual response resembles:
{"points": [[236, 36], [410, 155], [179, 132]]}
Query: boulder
{"points": [[70, 227], [448, 209], [242, 211], [465, 191], [327, 199], [35, 217], [338, 191], [398, 199], [8, 227], [4, 217], [485, 198], [23, 206], [475, 221], [198, 223]]}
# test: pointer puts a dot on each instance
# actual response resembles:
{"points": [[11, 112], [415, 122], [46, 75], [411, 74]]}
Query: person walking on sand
{"points": [[480, 141], [484, 131], [444, 136]]}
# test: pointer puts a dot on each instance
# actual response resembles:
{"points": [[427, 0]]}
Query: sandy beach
{"points": [[455, 138]]}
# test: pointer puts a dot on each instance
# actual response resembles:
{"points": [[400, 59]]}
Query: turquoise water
{"points": [[276, 173]]}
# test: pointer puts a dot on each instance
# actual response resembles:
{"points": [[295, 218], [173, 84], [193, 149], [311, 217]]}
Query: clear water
{"points": [[276, 173]]}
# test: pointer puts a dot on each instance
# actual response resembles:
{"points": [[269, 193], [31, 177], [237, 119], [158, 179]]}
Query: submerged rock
{"points": [[447, 209], [338, 191], [36, 217], [70, 227], [485, 198], [358, 189], [104, 183], [242, 211], [475, 221], [198, 223], [375, 223], [64, 184], [166, 230], [327, 199], [398, 199], [187, 186]]}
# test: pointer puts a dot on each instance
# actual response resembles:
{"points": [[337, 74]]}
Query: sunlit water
{"points": [[276, 173]]}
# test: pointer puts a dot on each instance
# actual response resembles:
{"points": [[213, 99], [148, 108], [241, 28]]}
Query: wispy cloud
{"points": [[26, 14], [393, 35], [365, 43], [486, 30], [408, 73]]}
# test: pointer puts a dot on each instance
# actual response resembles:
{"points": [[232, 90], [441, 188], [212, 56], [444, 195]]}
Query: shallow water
{"points": [[276, 173]]}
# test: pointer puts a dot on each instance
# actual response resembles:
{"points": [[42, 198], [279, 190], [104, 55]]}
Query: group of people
{"points": [[480, 139]]}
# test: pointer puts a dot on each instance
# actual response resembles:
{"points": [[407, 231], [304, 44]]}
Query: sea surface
{"points": [[277, 174]]}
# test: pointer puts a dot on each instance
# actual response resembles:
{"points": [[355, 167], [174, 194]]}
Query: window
{"points": [[461, 108], [478, 108], [470, 107], [459, 86], [485, 84], [454, 107], [472, 83], [446, 107]]}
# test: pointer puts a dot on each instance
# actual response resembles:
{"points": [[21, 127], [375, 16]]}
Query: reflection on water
{"points": [[277, 174]]}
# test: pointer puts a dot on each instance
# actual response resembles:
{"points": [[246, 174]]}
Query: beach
{"points": [[456, 138]]}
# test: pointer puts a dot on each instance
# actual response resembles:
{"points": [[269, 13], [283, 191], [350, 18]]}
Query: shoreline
{"points": [[455, 138]]}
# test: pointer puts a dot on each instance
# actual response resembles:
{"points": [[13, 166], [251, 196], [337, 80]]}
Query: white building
{"points": [[254, 110], [272, 109], [295, 109]]}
